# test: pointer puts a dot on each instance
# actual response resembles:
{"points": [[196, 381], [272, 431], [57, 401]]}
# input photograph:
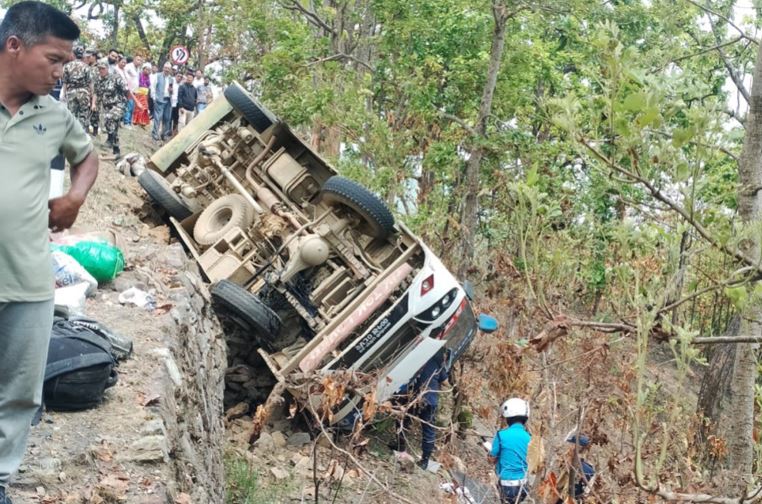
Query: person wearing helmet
{"points": [[577, 468], [509, 451]]}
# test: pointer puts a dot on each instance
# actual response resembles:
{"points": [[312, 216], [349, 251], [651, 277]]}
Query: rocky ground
{"points": [[119, 452]]}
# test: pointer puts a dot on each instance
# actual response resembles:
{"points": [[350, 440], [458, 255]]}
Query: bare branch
{"points": [[339, 57], [711, 13], [463, 124], [727, 339], [699, 144], [709, 49], [705, 290], [656, 193], [737, 79], [311, 16], [356, 462], [706, 498]]}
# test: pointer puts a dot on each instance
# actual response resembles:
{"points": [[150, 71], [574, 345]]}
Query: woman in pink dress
{"points": [[140, 116]]}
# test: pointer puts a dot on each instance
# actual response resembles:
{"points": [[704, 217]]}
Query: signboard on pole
{"points": [[179, 55]]}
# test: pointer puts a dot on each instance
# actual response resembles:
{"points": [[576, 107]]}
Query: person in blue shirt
{"points": [[584, 471], [427, 385], [509, 451]]}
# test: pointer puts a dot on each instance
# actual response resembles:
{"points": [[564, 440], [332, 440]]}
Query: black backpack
{"points": [[79, 369]]}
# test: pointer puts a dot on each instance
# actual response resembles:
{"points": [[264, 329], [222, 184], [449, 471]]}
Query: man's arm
{"points": [[64, 210]]}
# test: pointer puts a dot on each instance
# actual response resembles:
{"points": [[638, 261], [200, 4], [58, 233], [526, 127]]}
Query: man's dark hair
{"points": [[32, 21], [113, 50], [128, 58], [516, 419]]}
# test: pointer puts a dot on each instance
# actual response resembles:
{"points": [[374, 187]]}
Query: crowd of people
{"points": [[115, 90]]}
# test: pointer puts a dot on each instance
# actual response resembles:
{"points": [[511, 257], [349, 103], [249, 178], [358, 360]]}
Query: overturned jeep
{"points": [[311, 264]]}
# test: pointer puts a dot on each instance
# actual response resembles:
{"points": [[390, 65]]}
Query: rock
{"points": [[279, 474], [298, 457], [153, 427], [183, 498], [405, 460], [49, 464], [334, 472], [302, 464], [324, 440], [298, 439], [127, 280], [265, 443], [458, 464], [174, 256], [279, 439], [238, 411], [147, 449]]}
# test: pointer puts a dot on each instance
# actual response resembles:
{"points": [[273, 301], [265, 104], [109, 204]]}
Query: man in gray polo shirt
{"points": [[35, 43]]}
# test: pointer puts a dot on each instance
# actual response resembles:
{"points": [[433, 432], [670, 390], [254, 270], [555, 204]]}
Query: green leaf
{"points": [[635, 102], [681, 136], [738, 296], [682, 172], [532, 177], [650, 117]]}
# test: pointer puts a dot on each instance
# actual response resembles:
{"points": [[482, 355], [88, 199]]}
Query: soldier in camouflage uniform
{"points": [[91, 57], [78, 88], [111, 95]]}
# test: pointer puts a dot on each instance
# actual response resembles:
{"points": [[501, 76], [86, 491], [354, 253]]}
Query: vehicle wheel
{"points": [[378, 221], [247, 310], [162, 194], [222, 215], [256, 115]]}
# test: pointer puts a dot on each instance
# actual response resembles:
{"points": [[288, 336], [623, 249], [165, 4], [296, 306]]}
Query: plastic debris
{"points": [[102, 260], [73, 297], [138, 297], [463, 493], [72, 237], [67, 271]]}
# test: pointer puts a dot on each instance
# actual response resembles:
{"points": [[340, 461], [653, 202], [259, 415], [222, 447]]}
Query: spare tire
{"points": [[255, 114], [377, 220], [246, 310], [222, 215], [162, 194]]}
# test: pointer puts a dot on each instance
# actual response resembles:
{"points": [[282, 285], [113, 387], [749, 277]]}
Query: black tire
{"points": [[162, 194], [247, 310], [222, 215], [378, 221], [256, 115]]}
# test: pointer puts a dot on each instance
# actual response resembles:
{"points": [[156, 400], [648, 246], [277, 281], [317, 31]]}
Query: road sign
{"points": [[179, 55]]}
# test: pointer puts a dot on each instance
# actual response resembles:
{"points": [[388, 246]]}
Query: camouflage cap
{"points": [[79, 51], [103, 64]]}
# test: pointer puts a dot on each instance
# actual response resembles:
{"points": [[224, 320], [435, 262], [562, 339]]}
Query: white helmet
{"points": [[515, 407]]}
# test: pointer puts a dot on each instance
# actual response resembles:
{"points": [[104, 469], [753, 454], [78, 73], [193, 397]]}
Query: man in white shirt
{"points": [[162, 89], [178, 80], [199, 79], [131, 79]]}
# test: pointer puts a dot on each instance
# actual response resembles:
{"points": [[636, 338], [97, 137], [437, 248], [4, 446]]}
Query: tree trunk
{"points": [[715, 385], [741, 410], [143, 37], [469, 214], [115, 27]]}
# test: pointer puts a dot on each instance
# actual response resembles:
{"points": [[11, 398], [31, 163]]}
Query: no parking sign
{"points": [[179, 55]]}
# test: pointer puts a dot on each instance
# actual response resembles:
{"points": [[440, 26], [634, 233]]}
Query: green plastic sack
{"points": [[102, 260]]}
